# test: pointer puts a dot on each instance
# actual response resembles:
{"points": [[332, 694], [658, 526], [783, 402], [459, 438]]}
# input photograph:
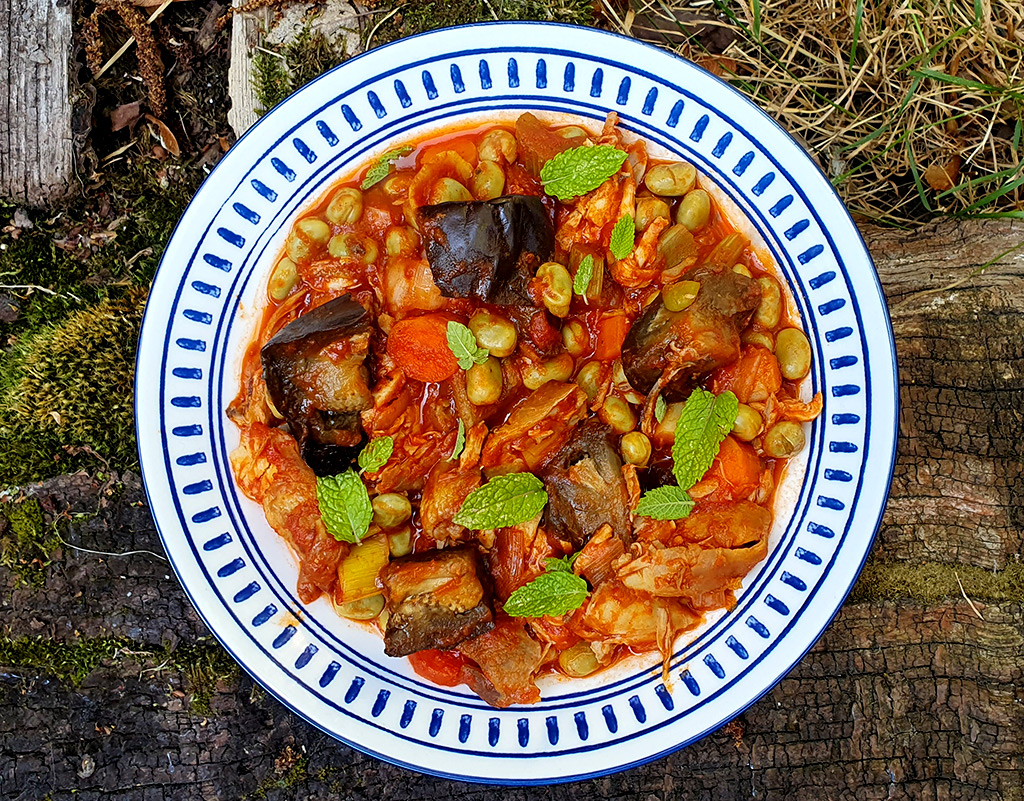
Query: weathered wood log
{"points": [[36, 150], [899, 699], [956, 297]]}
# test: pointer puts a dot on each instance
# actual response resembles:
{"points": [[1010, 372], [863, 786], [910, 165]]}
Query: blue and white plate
{"points": [[205, 302]]}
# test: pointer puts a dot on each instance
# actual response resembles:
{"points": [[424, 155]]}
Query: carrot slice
{"points": [[738, 466], [611, 333], [419, 346]]}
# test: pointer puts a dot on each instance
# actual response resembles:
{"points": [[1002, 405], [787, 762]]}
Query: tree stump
{"points": [[36, 150], [910, 694]]}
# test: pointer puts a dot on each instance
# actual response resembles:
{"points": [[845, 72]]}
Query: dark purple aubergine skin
{"points": [[691, 343], [487, 250], [581, 501], [422, 623], [325, 325]]}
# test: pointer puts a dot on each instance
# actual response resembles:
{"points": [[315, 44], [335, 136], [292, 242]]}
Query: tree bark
{"points": [[900, 699], [36, 150]]}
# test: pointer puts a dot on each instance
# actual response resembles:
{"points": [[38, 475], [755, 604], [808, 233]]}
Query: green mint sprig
{"points": [[706, 420], [503, 501], [460, 442], [376, 454], [552, 593], [578, 170], [382, 166], [564, 563], [623, 237], [344, 506], [584, 272], [665, 503], [462, 344], [660, 409]]}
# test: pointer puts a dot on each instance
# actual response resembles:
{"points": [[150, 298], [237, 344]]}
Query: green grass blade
{"points": [[989, 198], [967, 83], [992, 215], [927, 55], [756, 5], [981, 179], [858, 20], [921, 193], [903, 137], [722, 6]]}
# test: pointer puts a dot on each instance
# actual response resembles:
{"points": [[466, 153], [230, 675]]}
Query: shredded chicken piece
{"points": [[448, 486], [641, 266], [269, 469]]}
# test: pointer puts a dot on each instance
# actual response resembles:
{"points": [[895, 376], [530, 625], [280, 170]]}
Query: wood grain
{"points": [[959, 475], [36, 151]]}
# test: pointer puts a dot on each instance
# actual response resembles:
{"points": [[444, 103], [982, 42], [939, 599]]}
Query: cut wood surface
{"points": [[36, 149], [125, 696]]}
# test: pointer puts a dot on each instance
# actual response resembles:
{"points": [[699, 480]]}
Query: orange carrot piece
{"points": [[419, 346]]}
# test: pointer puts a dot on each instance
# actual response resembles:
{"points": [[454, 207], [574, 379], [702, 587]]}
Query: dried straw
{"points": [[913, 108]]}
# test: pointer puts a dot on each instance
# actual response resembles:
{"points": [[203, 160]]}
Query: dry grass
{"points": [[913, 108]]}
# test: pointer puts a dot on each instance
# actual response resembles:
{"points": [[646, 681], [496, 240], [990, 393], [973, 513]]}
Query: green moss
{"points": [[203, 664], [309, 55], [270, 81], [297, 773], [68, 387], [69, 662], [111, 240], [425, 16], [931, 582], [28, 543], [277, 74]]}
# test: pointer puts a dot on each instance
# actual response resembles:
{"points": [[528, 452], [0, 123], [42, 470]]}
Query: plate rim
{"points": [[841, 595]]}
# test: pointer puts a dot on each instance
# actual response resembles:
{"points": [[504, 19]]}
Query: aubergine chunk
{"points": [[487, 250], [585, 487], [674, 349], [316, 374], [435, 599]]}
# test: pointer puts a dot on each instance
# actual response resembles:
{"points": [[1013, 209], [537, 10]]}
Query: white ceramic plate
{"points": [[242, 579]]}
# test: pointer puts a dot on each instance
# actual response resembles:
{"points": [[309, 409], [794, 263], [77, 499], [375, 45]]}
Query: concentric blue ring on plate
{"points": [[202, 312]]}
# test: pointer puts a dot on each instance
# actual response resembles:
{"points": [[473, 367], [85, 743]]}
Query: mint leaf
{"points": [[382, 166], [462, 344], [665, 503], [460, 442], [576, 171], [376, 454], [584, 272], [623, 237], [564, 564], [552, 593], [660, 409], [344, 506], [503, 501], [705, 421]]}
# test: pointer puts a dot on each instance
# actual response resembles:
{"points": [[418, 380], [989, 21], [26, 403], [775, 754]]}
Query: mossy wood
{"points": [[35, 109], [111, 687]]}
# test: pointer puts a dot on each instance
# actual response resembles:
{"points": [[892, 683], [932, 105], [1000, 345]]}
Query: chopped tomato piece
{"points": [[538, 143], [419, 346], [611, 333], [440, 667]]}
